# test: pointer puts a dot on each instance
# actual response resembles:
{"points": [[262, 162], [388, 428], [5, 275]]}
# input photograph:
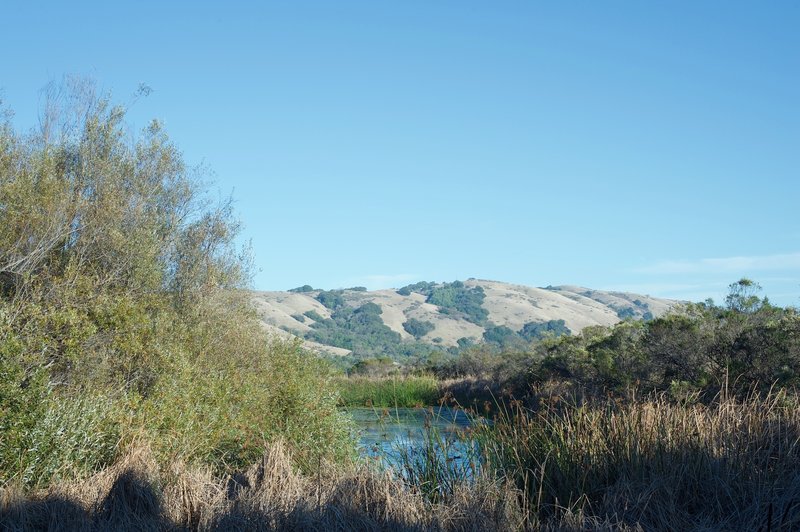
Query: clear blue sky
{"points": [[646, 146]]}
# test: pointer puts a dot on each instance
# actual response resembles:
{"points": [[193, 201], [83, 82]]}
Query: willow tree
{"points": [[101, 230], [121, 284]]}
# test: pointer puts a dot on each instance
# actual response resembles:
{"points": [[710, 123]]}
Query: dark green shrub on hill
{"points": [[465, 342], [626, 313], [538, 330], [418, 328], [452, 298], [313, 314], [302, 289], [501, 336], [331, 299], [456, 298], [369, 309], [422, 287], [357, 289], [360, 330]]}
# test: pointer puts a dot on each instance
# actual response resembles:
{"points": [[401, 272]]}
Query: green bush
{"points": [[501, 336], [221, 413], [422, 287], [302, 289], [331, 299], [452, 298], [72, 437], [361, 330], [456, 298], [122, 313], [537, 330], [418, 328], [313, 314]]}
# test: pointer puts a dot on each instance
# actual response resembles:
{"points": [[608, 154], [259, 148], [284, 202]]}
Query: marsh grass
{"points": [[652, 464], [135, 494], [389, 392], [733, 464], [441, 463]]}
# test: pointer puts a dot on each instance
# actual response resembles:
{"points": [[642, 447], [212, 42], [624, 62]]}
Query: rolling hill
{"points": [[447, 315]]}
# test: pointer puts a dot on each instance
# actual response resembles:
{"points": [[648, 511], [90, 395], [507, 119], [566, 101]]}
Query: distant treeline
{"points": [[694, 351]]}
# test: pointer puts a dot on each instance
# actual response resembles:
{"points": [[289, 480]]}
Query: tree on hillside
{"points": [[302, 289], [418, 328], [537, 330], [743, 296]]}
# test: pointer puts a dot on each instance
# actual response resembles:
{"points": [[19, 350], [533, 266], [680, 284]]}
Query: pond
{"points": [[393, 437]]}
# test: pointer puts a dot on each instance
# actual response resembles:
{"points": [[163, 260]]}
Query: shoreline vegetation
{"points": [[651, 464], [138, 390], [407, 391]]}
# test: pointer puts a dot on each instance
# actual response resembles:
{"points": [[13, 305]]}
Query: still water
{"points": [[390, 436]]}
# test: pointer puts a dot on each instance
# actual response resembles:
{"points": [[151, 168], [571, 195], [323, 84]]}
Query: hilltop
{"points": [[444, 315]]}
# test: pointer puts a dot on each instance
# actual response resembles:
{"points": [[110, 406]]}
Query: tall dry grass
{"points": [[732, 465], [645, 465], [135, 494]]}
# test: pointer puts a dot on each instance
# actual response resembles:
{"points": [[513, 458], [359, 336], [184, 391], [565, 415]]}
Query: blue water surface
{"points": [[390, 437]]}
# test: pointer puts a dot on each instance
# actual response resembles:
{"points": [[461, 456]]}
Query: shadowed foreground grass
{"points": [[134, 495], [646, 465], [657, 464]]}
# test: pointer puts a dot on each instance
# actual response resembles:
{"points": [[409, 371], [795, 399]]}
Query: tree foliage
{"points": [[360, 330], [418, 328], [743, 296], [121, 282], [332, 299], [452, 298], [500, 335], [695, 349], [536, 330], [302, 289]]}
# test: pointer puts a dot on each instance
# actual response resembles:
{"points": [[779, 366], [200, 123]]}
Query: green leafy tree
{"points": [[536, 330], [743, 296], [302, 289], [123, 307], [314, 315], [417, 328], [331, 299], [501, 336]]}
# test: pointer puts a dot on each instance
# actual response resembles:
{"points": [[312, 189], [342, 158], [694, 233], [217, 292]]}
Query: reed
{"points": [[389, 392], [136, 494], [657, 464], [652, 464]]}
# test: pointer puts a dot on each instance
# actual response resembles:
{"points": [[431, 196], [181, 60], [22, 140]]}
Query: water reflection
{"points": [[395, 437]]}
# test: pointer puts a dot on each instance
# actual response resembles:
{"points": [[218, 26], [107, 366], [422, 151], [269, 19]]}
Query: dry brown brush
{"points": [[135, 494], [733, 464]]}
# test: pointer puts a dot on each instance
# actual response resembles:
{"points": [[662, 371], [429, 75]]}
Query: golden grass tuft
{"points": [[134, 494]]}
